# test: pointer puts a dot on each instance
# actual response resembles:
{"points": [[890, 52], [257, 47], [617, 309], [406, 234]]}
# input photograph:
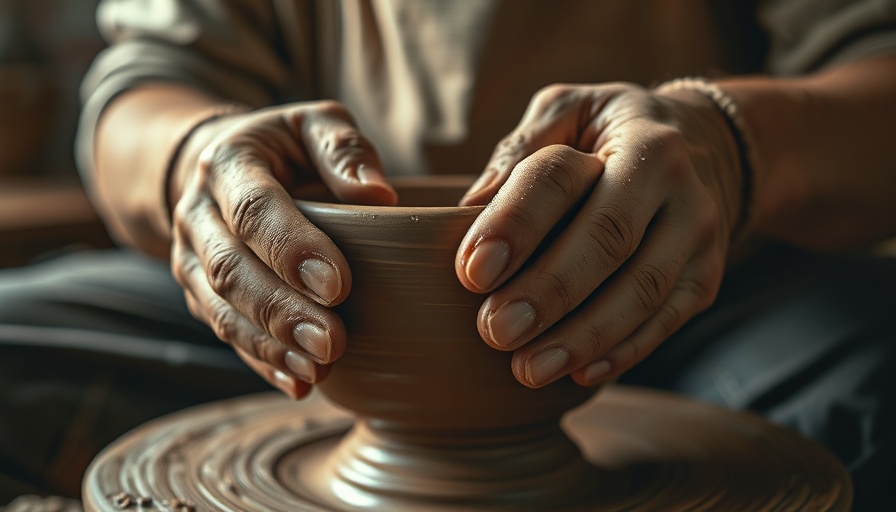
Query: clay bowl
{"points": [[434, 403]]}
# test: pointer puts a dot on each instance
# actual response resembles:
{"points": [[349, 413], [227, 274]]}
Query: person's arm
{"points": [[252, 267], [176, 179], [611, 208], [138, 140], [823, 156]]}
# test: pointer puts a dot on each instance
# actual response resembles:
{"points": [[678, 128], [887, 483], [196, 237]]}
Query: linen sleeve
{"points": [[231, 49], [808, 35]]}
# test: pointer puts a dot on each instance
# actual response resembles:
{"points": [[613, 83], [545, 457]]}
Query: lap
{"points": [[807, 340], [91, 345]]}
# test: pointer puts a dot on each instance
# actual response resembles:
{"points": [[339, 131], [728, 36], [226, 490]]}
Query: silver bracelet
{"points": [[739, 131]]}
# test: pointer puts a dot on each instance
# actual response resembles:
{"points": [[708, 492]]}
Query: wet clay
{"points": [[428, 417], [650, 452]]}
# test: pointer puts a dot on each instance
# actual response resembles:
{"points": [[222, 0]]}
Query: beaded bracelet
{"points": [[738, 128]]}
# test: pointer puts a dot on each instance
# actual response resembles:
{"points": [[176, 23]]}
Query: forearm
{"points": [[823, 154], [136, 141]]}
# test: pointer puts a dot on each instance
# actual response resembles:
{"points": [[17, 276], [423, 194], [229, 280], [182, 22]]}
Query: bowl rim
{"points": [[403, 182]]}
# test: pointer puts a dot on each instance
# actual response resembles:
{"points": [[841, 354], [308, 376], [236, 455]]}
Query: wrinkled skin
{"points": [[252, 267], [609, 214]]}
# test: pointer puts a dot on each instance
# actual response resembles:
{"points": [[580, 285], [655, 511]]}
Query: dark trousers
{"points": [[93, 344]]}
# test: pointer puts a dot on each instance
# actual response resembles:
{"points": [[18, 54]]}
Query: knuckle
{"points": [[223, 270], [670, 318], [523, 219], [650, 285], [553, 102], [182, 267], [702, 291], [635, 354], [179, 218], [347, 141], [331, 108], [222, 154], [511, 142], [596, 342], [345, 147], [612, 233], [268, 311], [626, 355], [249, 211], [559, 169], [509, 150], [558, 290], [623, 356], [185, 214], [553, 93], [224, 323], [279, 247], [257, 345], [263, 348]]}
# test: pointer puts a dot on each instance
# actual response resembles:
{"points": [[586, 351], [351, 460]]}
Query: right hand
{"points": [[252, 267]]}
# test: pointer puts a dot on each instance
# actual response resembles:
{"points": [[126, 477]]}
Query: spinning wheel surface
{"points": [[651, 452]]}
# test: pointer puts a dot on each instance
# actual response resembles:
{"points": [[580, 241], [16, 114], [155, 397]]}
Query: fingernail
{"points": [[510, 321], [313, 339], [285, 383], [544, 365], [487, 262], [301, 366], [594, 371], [321, 278]]}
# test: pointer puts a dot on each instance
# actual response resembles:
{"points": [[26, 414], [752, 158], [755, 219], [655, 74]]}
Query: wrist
{"points": [[731, 124], [198, 130]]}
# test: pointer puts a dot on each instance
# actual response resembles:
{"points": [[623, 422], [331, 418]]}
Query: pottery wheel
{"points": [[653, 451]]}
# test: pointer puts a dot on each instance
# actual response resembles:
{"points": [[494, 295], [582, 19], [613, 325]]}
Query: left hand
{"points": [[609, 217]]}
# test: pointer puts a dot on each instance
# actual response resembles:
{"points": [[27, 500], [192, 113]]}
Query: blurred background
{"points": [[46, 47]]}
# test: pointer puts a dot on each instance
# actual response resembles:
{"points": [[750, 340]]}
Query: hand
{"points": [[610, 216], [252, 267]]}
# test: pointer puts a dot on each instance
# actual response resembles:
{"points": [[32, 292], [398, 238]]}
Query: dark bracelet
{"points": [[738, 128], [200, 119]]}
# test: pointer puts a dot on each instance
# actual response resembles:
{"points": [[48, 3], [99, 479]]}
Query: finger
{"points": [[550, 118], [603, 235], [633, 295], [646, 289], [345, 159], [233, 273], [292, 387], [298, 368], [538, 194], [694, 292], [221, 268], [247, 339], [232, 327], [259, 213]]}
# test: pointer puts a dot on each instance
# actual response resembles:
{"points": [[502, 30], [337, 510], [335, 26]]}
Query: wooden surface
{"points": [[38, 216], [651, 452]]}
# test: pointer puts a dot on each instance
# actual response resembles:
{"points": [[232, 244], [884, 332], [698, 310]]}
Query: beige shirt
{"points": [[436, 83]]}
